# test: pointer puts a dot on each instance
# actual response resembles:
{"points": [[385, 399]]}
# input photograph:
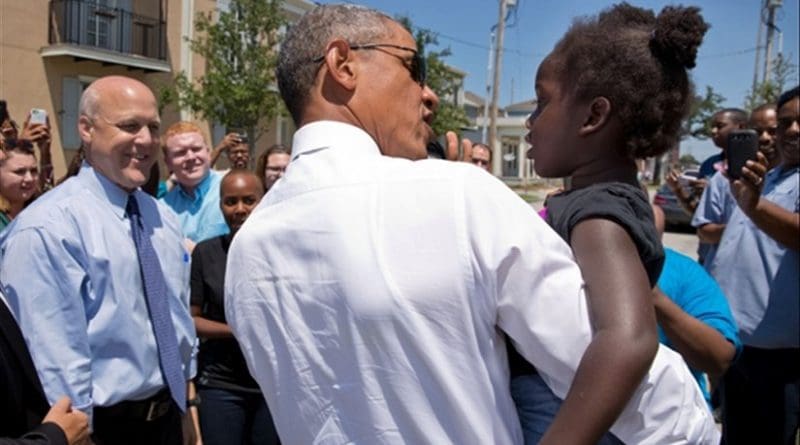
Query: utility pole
{"points": [[488, 88], [498, 60], [759, 46]]}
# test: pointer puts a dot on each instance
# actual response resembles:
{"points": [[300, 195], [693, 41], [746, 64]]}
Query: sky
{"points": [[725, 61]]}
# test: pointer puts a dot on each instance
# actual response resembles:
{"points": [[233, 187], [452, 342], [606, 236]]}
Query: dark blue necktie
{"points": [[155, 290]]}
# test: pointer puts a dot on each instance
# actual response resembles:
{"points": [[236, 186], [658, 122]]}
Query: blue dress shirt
{"points": [[692, 289], [715, 207], [759, 275], [199, 214], [70, 272]]}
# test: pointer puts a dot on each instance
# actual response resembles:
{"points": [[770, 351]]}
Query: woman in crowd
{"points": [[19, 178], [232, 409]]}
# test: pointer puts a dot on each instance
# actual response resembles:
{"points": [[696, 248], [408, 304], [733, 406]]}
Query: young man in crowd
{"points": [[195, 197]]}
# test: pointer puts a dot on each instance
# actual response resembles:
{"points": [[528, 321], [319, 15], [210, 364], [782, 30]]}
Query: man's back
{"points": [[380, 286]]}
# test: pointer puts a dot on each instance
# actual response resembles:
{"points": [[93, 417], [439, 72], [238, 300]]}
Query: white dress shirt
{"points": [[370, 296]]}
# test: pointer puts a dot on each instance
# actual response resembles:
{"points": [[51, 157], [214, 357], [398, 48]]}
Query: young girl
{"points": [[614, 89]]}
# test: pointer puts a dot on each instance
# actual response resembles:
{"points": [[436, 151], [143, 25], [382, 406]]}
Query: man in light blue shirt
{"points": [[757, 267], [71, 273], [195, 198], [712, 213]]}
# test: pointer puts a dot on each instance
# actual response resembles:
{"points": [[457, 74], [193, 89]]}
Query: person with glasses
{"points": [[371, 289], [272, 164]]}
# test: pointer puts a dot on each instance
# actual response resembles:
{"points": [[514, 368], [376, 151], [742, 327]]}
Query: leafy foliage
{"points": [[442, 79], [769, 90], [698, 123], [240, 50]]}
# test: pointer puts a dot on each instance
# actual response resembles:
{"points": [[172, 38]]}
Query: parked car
{"points": [[674, 213]]}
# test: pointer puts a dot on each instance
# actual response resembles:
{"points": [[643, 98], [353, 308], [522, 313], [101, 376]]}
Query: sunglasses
{"points": [[416, 65]]}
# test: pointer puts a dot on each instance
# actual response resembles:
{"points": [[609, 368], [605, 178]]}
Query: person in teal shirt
{"points": [[195, 197]]}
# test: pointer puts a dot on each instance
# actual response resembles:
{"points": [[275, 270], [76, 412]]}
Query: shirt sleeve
{"points": [[50, 311], [710, 208]]}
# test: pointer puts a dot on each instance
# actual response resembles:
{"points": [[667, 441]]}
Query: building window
{"points": [[72, 89]]}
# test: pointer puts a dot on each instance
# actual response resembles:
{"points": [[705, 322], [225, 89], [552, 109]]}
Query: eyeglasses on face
{"points": [[416, 65]]}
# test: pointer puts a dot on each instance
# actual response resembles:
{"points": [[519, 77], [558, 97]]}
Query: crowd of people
{"points": [[351, 289]]}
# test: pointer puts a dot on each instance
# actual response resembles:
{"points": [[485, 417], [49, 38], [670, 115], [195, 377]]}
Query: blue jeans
{"points": [[235, 418], [537, 406]]}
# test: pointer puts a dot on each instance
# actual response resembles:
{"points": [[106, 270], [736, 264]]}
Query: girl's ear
{"points": [[599, 113]]}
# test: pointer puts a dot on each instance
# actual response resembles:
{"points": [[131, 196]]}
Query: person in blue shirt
{"points": [[195, 197], [757, 267], [693, 315], [81, 286]]}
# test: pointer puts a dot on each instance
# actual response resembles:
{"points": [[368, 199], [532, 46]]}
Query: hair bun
{"points": [[678, 34]]}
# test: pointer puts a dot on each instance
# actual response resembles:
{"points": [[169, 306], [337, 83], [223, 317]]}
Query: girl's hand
{"points": [[747, 189]]}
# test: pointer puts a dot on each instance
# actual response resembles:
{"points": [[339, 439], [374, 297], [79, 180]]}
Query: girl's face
{"points": [[553, 126], [19, 176]]}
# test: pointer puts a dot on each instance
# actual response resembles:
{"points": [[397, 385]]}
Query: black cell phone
{"points": [[742, 146], [3, 111]]}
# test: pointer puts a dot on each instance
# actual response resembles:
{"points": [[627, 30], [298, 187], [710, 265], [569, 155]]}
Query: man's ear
{"points": [[85, 129], [340, 63], [598, 114]]}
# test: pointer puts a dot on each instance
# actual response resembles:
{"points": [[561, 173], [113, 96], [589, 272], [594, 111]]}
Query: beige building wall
{"points": [[37, 74]]}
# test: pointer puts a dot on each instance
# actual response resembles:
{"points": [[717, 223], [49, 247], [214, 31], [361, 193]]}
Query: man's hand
{"points": [[74, 423], [229, 141], [454, 152], [747, 189]]}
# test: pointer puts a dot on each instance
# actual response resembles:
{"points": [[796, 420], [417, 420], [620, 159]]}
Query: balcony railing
{"points": [[90, 24]]}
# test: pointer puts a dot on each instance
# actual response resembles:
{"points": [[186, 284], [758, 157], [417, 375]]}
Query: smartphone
{"points": [[38, 116], [742, 146], [3, 111]]}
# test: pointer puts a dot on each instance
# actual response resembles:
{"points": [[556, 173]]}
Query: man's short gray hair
{"points": [[306, 41], [88, 104]]}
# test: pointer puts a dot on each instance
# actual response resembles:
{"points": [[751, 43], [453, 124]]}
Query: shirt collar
{"points": [[200, 189], [102, 187], [322, 135], [779, 173]]}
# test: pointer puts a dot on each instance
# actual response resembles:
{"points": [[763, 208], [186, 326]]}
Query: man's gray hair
{"points": [[88, 104], [306, 41]]}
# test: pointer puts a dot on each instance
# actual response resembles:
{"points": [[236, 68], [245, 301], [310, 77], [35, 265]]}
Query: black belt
{"points": [[147, 410]]}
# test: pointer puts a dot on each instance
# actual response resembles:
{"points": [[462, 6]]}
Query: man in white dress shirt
{"points": [[371, 289]]}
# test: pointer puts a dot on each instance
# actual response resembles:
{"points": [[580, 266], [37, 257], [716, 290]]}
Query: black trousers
{"points": [[761, 397], [122, 430]]}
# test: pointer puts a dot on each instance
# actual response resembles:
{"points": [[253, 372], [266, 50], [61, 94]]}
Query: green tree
{"points": [[240, 50], [698, 123], [441, 79], [687, 160], [783, 71]]}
